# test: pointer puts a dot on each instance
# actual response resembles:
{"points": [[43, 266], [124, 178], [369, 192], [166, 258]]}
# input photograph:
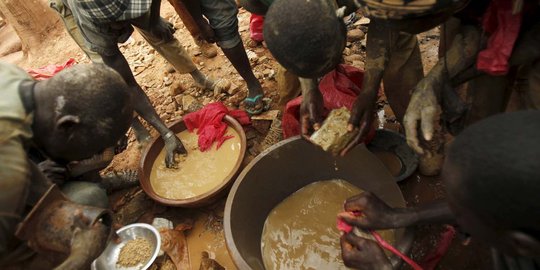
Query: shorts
{"points": [[222, 15]]}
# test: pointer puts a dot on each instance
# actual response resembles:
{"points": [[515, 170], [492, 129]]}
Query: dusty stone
{"points": [[206, 101], [363, 42], [168, 100], [252, 56], [222, 85], [268, 115], [353, 57], [167, 81], [251, 134], [190, 104], [355, 35], [362, 21], [269, 72], [178, 99], [137, 205], [358, 64], [176, 88], [170, 69], [149, 58], [170, 108], [233, 89], [187, 101], [262, 126]]}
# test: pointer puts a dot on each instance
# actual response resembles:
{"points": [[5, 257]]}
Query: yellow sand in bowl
{"points": [[199, 172]]}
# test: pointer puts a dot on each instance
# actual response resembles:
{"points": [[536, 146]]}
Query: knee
{"points": [[86, 193]]}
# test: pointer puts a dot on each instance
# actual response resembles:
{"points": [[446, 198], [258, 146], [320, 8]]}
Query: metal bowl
{"points": [[107, 260], [393, 142], [151, 152]]}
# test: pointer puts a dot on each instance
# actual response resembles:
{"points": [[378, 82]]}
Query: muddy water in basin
{"points": [[301, 233], [198, 172]]}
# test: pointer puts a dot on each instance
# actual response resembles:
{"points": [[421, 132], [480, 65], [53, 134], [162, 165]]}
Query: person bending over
{"points": [[492, 185]]}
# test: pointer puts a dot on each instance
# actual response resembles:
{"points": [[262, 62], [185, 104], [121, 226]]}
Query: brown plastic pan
{"points": [[151, 152]]}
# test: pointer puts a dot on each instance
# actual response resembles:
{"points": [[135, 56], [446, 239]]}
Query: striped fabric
{"points": [[106, 11]]}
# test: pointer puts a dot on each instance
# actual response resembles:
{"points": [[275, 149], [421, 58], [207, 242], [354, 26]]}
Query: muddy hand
{"points": [[53, 171], [164, 30], [422, 108], [362, 253], [374, 213], [207, 32], [361, 118], [174, 146], [311, 111], [86, 245]]}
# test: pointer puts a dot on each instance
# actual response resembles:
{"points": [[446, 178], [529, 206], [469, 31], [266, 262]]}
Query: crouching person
{"points": [[72, 116], [492, 180]]}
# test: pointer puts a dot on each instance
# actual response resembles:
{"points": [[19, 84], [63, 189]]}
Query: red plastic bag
{"points": [[339, 88], [504, 28], [210, 126], [256, 23], [48, 71]]}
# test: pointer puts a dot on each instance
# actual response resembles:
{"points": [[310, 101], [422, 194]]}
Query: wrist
{"points": [[404, 217]]}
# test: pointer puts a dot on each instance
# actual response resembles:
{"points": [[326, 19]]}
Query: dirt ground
{"points": [[173, 94]]}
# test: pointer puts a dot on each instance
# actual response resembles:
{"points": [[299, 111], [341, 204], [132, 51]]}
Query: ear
{"points": [[67, 122], [524, 244]]}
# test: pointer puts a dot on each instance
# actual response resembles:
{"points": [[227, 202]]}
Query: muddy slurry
{"points": [[198, 172], [301, 232]]}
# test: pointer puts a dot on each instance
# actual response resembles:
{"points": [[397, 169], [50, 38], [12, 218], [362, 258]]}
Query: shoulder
{"points": [[11, 106], [10, 71]]}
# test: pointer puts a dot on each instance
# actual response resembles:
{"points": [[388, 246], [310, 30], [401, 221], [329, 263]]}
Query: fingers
{"points": [[356, 241], [353, 220], [170, 162], [304, 123], [410, 123], [345, 245], [428, 118], [351, 144], [315, 116], [357, 203], [57, 170]]}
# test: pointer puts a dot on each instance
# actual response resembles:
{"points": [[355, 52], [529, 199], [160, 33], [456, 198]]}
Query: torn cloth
{"points": [[210, 125], [339, 88], [503, 24], [48, 71]]}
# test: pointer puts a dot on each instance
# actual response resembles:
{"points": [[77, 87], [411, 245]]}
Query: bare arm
{"points": [[424, 102], [376, 214], [144, 107]]}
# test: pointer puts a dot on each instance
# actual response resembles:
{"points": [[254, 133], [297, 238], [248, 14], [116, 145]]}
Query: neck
{"points": [[26, 93]]}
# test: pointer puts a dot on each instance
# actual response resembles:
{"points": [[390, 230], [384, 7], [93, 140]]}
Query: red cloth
{"points": [[504, 28], [339, 88], [48, 71], [210, 126], [346, 228], [256, 23], [431, 260]]}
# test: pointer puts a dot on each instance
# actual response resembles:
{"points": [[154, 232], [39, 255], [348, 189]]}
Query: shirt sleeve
{"points": [[14, 184]]}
